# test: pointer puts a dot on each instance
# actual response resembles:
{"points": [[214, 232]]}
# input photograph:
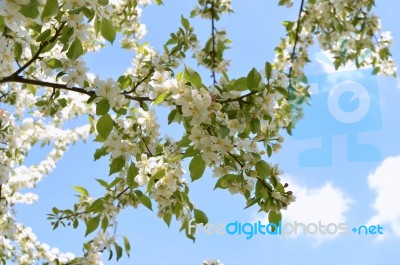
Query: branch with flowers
{"points": [[231, 124]]}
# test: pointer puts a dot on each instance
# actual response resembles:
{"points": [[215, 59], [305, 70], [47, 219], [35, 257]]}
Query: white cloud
{"points": [[385, 181], [325, 205]]}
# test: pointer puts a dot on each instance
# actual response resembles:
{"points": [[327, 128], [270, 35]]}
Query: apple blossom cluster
{"points": [[336, 25], [231, 126]]}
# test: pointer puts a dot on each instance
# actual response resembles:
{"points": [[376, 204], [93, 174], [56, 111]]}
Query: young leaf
{"points": [[275, 218], [54, 63], [268, 70], [127, 245], [51, 8], [105, 125], [192, 76], [107, 30], [145, 201], [75, 50], [117, 164], [81, 190], [255, 125], [263, 169], [30, 10], [185, 23], [197, 167], [130, 177], [118, 250], [253, 79], [102, 107], [201, 217], [92, 224]]}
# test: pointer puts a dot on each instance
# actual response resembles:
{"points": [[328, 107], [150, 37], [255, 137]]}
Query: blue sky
{"points": [[342, 183]]}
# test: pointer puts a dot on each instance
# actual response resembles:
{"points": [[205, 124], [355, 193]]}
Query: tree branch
{"points": [[238, 98], [41, 47], [19, 79], [213, 29], [296, 40], [22, 80], [151, 72]]}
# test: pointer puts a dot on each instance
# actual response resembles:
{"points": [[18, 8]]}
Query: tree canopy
{"points": [[231, 124]]}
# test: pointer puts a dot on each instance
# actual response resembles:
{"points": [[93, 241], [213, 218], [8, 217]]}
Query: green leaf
{"points": [[75, 50], [238, 85], [105, 125], [92, 224], [117, 164], [107, 30], [2, 24], [172, 115], [100, 152], [51, 8], [224, 131], [145, 201], [255, 125], [103, 2], [127, 245], [81, 190], [251, 202], [197, 167], [104, 224], [103, 183], [224, 181], [185, 23], [30, 10], [253, 79], [44, 35], [119, 250], [160, 98], [269, 150], [167, 217], [17, 50], [263, 169], [201, 217], [281, 91], [130, 177], [274, 217], [192, 76], [268, 70], [102, 107], [54, 63], [97, 206]]}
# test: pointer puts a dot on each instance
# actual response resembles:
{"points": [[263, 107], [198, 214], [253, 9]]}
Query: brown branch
{"points": [[238, 98], [264, 184], [22, 80], [213, 29], [19, 79], [122, 192], [296, 40], [71, 216]]}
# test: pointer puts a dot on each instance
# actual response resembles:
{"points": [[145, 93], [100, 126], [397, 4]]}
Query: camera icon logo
{"points": [[343, 103]]}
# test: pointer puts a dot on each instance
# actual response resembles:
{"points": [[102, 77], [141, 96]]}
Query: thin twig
{"points": [[298, 27], [122, 192], [41, 47], [22, 80], [213, 29], [238, 98]]}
